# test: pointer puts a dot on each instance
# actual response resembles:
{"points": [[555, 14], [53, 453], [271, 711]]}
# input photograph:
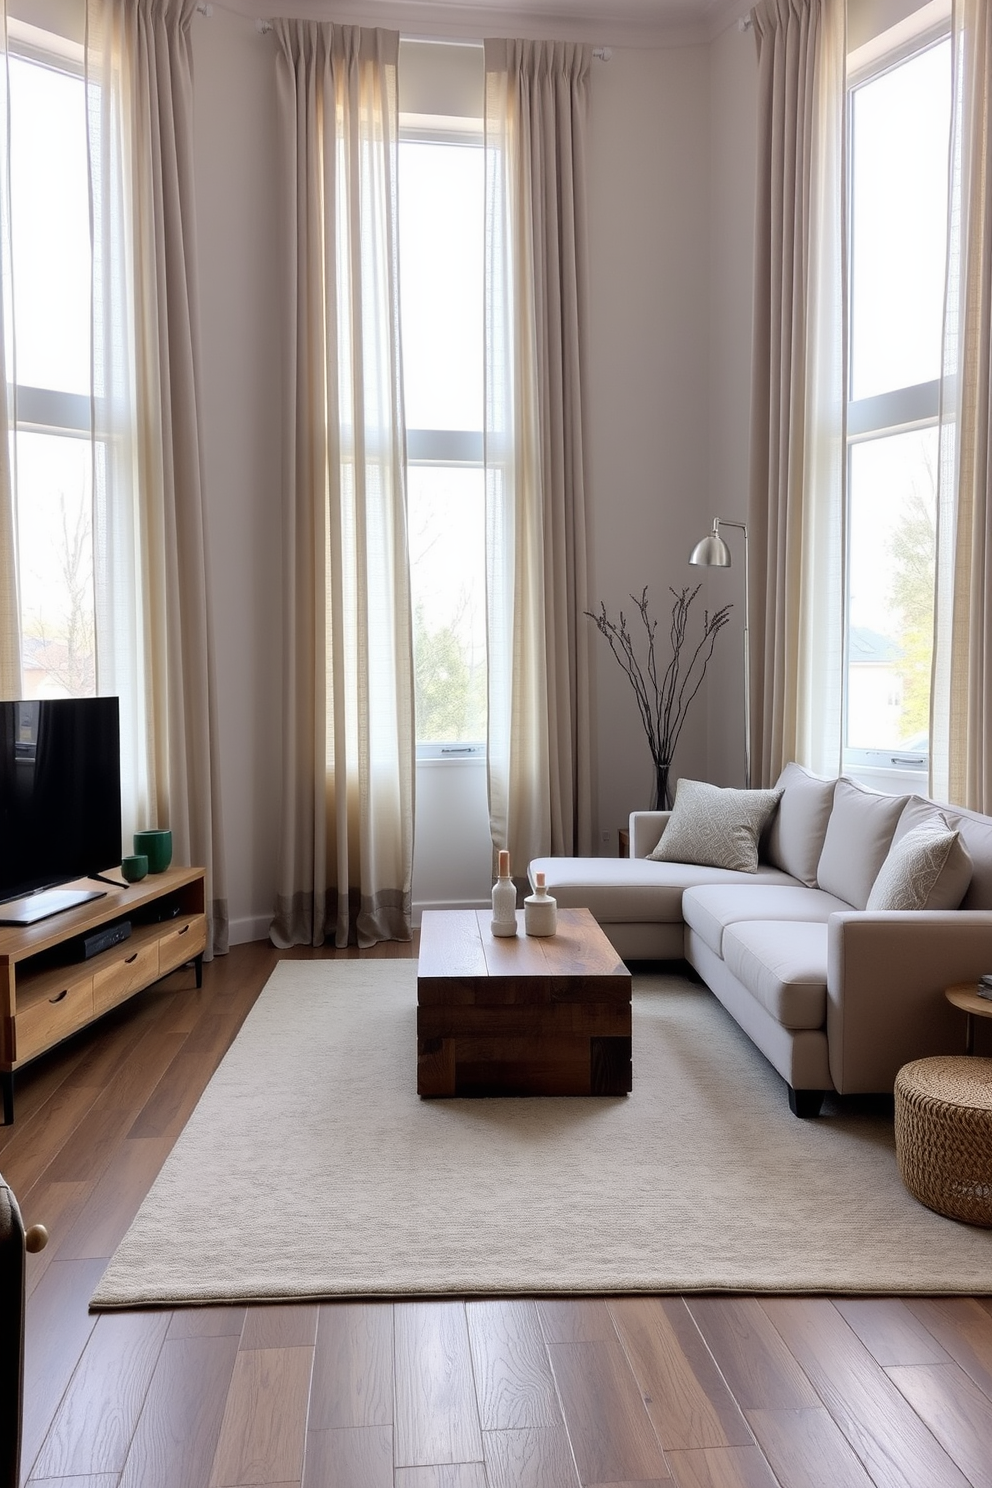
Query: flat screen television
{"points": [[60, 801]]}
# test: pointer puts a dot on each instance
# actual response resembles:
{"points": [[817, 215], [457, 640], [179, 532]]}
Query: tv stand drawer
{"points": [[60, 1010], [131, 968], [184, 940]]}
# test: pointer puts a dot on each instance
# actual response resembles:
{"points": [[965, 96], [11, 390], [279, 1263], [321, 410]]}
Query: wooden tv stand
{"points": [[48, 991]]}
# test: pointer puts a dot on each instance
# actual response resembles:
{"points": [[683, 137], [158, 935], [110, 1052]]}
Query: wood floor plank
{"points": [[807, 1449], [359, 1456], [207, 1322], [353, 1366], [263, 1435], [611, 1436], [761, 1372], [115, 1199], [452, 1475], [957, 1412], [575, 1319], [513, 1379], [58, 1324], [95, 1421], [539, 1458], [172, 1102], [722, 1467], [964, 1329], [280, 1325], [889, 1330], [180, 1422], [897, 1450], [437, 1419], [57, 1206], [684, 1392]]}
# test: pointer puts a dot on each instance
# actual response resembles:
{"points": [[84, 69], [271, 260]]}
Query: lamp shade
{"points": [[712, 552]]}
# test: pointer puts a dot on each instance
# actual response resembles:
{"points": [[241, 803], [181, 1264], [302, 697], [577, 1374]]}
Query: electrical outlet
{"points": [[606, 839]]}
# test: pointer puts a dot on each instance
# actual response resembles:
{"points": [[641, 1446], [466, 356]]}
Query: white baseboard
{"points": [[240, 932], [418, 909]]}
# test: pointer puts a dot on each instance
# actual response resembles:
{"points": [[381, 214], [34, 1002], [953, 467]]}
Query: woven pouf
{"points": [[944, 1135]]}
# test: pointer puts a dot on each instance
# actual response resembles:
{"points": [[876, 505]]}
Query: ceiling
{"points": [[621, 22]]}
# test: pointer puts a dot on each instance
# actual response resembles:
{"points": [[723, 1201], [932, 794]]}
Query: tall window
{"points": [[49, 360], [899, 130], [441, 263]]}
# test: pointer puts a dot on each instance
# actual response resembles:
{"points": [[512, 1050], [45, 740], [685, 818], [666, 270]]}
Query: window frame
{"points": [[881, 415]]}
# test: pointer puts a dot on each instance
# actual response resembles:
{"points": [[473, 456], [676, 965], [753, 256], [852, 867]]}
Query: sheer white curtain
{"points": [[798, 461], [539, 775], [152, 621], [961, 706], [346, 853], [10, 613]]}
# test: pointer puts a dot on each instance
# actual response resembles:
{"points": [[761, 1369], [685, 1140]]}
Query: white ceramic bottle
{"points": [[504, 899], [540, 910]]}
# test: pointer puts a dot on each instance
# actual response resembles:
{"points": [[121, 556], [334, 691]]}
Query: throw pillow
{"points": [[926, 869], [715, 827]]}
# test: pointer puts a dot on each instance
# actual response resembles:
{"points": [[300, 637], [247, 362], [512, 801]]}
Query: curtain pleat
{"points": [[797, 477], [961, 698], [154, 643], [346, 850], [539, 715]]}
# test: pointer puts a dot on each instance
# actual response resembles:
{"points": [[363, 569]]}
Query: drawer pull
{"points": [[183, 930], [59, 996], [130, 960]]}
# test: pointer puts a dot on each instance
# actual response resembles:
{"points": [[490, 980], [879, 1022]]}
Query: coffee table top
{"points": [[459, 944]]}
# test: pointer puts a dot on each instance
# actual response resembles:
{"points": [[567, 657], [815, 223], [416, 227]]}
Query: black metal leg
{"points": [[7, 1083], [805, 1103], [198, 963]]}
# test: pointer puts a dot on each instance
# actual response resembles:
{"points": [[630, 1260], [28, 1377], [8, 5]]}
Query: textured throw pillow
{"points": [[715, 827], [925, 869]]}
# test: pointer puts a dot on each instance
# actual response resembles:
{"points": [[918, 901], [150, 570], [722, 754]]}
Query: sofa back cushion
{"points": [[975, 832], [858, 837], [795, 837]]}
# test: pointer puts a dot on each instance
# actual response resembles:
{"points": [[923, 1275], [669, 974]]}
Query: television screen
{"points": [[60, 791]]}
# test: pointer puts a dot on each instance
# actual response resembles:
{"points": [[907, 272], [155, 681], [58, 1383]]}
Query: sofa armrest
{"points": [[886, 974], [645, 828]]}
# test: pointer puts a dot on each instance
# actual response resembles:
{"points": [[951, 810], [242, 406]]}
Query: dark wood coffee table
{"points": [[520, 1015]]}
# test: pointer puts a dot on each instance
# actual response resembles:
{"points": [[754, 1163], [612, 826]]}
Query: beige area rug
{"points": [[310, 1168]]}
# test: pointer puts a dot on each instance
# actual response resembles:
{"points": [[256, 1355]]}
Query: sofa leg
{"points": [[805, 1102]]}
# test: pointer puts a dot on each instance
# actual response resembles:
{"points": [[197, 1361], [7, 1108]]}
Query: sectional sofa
{"points": [[831, 946]]}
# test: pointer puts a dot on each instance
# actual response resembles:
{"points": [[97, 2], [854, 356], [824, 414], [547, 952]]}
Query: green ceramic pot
{"points": [[134, 868], [156, 844]]}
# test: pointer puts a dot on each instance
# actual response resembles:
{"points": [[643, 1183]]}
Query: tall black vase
{"points": [[662, 795]]}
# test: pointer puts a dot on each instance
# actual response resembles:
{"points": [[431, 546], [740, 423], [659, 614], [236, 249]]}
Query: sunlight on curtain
{"points": [[153, 631], [539, 728], [961, 716], [797, 489], [346, 851], [10, 610]]}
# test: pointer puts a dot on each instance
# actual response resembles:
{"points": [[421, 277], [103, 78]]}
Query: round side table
{"points": [[963, 995]]}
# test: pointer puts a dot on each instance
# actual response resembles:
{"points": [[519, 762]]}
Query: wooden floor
{"points": [[702, 1392]]}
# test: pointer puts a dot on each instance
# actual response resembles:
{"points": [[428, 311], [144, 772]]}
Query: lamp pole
{"points": [[713, 552]]}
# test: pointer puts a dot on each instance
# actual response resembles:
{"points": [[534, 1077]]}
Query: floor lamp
{"points": [[713, 552]]}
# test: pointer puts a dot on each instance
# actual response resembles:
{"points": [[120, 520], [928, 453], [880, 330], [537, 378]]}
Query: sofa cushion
{"points": [[796, 832], [784, 967], [622, 891], [925, 868], [859, 833], [710, 908], [714, 826]]}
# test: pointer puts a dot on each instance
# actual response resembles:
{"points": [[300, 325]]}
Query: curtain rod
{"points": [[602, 54]]}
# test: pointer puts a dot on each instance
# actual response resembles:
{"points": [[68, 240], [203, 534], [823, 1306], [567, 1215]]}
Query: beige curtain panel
{"points": [[961, 698], [539, 716], [153, 625], [798, 461], [346, 851]]}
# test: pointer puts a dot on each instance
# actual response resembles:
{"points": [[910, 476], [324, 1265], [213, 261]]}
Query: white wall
{"points": [[647, 385]]}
